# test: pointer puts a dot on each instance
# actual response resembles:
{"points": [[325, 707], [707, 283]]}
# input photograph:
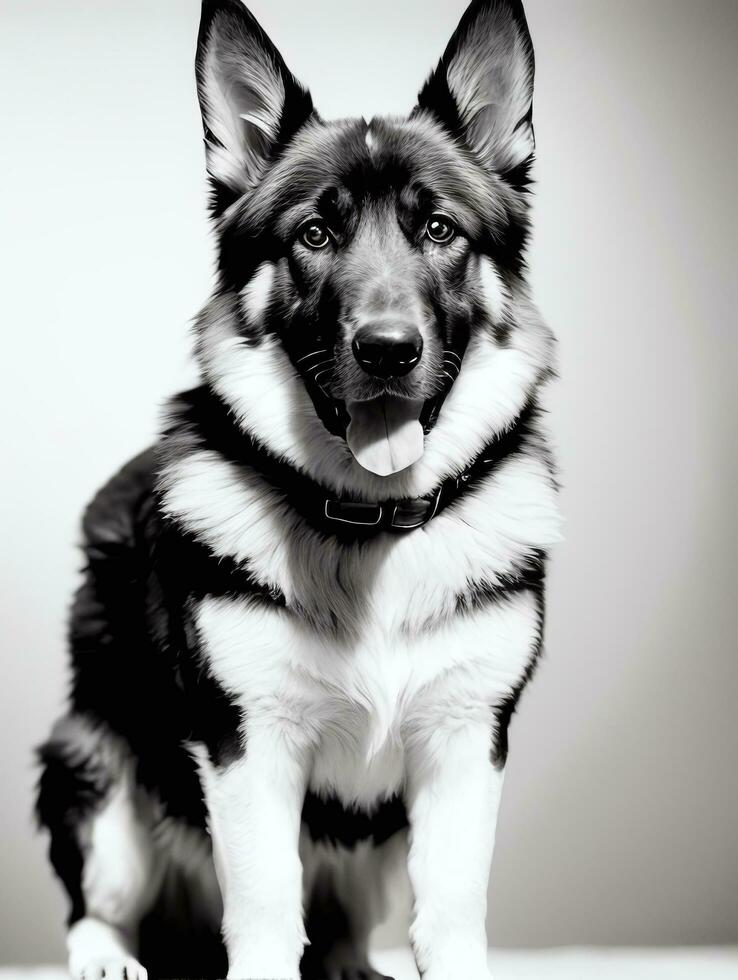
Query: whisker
{"points": [[319, 365], [311, 354]]}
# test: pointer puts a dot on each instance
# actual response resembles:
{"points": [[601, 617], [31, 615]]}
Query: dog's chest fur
{"points": [[373, 636]]}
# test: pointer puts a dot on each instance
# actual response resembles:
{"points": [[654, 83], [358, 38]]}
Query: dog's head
{"points": [[358, 261]]}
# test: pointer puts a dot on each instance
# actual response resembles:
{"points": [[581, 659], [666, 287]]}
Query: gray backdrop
{"points": [[620, 822]]}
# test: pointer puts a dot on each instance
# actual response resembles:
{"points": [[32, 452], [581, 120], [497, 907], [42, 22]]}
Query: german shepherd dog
{"points": [[308, 611]]}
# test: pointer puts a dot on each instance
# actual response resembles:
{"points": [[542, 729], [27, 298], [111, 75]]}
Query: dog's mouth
{"points": [[385, 434], [384, 429]]}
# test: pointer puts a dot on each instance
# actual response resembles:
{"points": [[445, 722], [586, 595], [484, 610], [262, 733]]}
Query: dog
{"points": [[308, 611]]}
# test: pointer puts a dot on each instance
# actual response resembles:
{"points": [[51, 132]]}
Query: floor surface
{"points": [[696, 963]]}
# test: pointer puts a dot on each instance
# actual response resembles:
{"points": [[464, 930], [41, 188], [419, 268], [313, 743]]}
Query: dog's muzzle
{"points": [[385, 434]]}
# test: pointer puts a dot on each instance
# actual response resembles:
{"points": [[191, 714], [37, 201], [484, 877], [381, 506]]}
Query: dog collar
{"points": [[211, 422]]}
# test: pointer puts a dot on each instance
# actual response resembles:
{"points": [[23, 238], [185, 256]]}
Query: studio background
{"points": [[620, 818]]}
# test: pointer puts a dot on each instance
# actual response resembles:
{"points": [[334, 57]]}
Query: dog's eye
{"points": [[314, 234], [440, 229]]}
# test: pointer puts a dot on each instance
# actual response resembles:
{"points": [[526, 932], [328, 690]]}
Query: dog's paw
{"points": [[111, 968]]}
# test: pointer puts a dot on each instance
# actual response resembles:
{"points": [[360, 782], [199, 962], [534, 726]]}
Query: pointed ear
{"points": [[482, 89], [251, 104]]}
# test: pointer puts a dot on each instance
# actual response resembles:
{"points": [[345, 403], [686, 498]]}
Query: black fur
{"points": [[328, 820], [72, 786]]}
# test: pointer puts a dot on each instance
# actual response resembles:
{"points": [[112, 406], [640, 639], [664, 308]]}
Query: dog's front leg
{"points": [[255, 805], [453, 798]]}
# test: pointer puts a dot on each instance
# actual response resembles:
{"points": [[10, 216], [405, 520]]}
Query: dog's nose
{"points": [[387, 351]]}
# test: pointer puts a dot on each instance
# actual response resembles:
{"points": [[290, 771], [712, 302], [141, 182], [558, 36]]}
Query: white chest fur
{"points": [[370, 650], [357, 703]]}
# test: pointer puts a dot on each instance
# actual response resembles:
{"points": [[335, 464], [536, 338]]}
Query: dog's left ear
{"points": [[251, 103], [482, 89]]}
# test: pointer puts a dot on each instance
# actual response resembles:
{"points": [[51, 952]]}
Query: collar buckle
{"points": [[410, 514]]}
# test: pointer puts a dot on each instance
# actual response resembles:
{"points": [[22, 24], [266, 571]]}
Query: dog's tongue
{"points": [[385, 434]]}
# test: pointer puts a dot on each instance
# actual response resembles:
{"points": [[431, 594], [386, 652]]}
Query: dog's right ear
{"points": [[251, 104], [482, 89]]}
